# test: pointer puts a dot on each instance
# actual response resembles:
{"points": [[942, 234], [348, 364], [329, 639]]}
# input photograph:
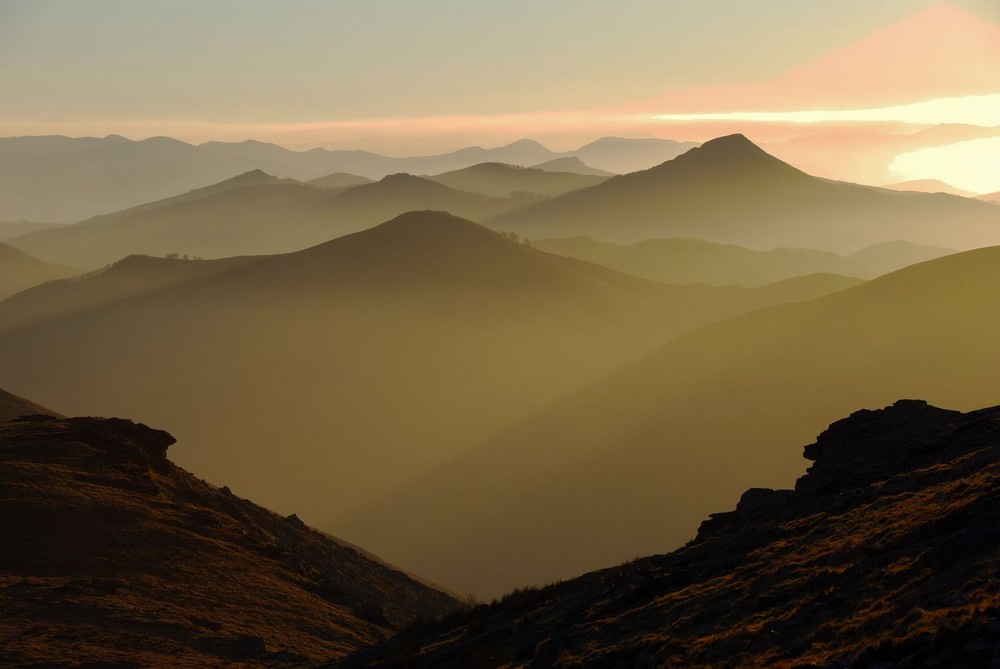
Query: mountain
{"points": [[683, 261], [370, 358], [571, 164], [19, 271], [730, 191], [990, 197], [500, 180], [11, 229], [12, 406], [339, 180], [885, 257], [130, 277], [930, 186], [252, 214], [622, 155], [66, 179], [881, 556], [641, 456], [114, 556]]}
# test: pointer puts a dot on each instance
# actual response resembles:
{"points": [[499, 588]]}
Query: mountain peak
{"points": [[732, 153]]}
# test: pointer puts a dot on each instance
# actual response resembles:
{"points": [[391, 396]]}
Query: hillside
{"points": [[930, 186], [682, 431], [500, 180], [730, 191], [374, 357], [252, 214], [12, 229], [884, 555], [622, 155], [159, 568], [571, 164], [683, 261], [339, 180], [19, 271], [12, 406], [885, 257]]}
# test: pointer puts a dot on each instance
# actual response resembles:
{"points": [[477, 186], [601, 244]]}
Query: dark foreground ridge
{"points": [[886, 554], [112, 556]]}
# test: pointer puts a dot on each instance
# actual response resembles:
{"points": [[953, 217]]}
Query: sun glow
{"points": [[973, 165], [982, 110]]}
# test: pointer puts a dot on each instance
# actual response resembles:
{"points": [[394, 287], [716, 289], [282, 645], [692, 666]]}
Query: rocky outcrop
{"points": [[112, 554], [886, 554]]}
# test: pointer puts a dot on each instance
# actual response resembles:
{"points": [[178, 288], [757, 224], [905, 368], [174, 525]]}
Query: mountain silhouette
{"points": [[571, 164], [95, 176], [501, 180], [730, 191], [682, 430], [885, 257], [684, 261], [379, 354], [622, 155], [19, 271], [251, 214], [12, 229], [878, 557], [930, 186], [114, 555], [339, 180]]}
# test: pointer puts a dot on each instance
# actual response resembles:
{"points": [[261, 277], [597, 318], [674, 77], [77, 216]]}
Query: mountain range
{"points": [[730, 191], [253, 213], [679, 432], [375, 356], [19, 271], [884, 555], [94, 176], [114, 556]]}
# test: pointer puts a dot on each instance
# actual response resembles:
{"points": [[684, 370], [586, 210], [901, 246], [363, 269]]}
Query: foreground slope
{"points": [[886, 554], [639, 457], [730, 191], [114, 554], [19, 271]]}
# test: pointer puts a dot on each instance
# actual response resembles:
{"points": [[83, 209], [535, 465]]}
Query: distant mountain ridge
{"points": [[252, 214], [94, 176], [730, 191], [19, 271]]}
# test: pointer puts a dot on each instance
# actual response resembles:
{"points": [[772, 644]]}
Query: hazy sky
{"points": [[434, 74]]}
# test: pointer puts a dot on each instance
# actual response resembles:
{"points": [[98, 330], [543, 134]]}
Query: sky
{"points": [[420, 76]]}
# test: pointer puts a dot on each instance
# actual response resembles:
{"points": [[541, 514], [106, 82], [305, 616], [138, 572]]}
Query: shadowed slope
{"points": [[113, 554], [730, 191], [884, 554], [500, 180], [680, 432], [19, 271]]}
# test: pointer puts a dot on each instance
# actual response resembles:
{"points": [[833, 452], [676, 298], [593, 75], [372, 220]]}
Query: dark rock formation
{"points": [[111, 555], [886, 554]]}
